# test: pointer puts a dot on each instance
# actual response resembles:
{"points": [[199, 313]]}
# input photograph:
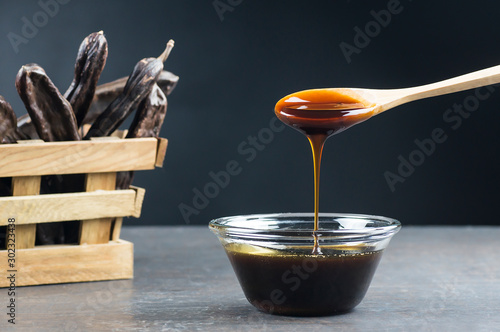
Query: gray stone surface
{"points": [[430, 279]]}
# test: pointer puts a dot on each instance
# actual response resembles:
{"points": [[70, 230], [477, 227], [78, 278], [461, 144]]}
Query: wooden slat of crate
{"points": [[97, 156], [139, 198], [162, 150], [21, 186], [70, 263], [72, 206], [116, 229], [25, 185], [95, 231]]}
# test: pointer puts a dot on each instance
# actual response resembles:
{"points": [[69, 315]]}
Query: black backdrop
{"points": [[236, 58]]}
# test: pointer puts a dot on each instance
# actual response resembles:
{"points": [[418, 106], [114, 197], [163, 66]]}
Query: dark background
{"points": [[232, 72]]}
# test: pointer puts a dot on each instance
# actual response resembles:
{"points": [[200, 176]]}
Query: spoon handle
{"points": [[464, 82]]}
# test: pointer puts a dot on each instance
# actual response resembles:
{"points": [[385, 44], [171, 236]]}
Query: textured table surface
{"points": [[430, 279]]}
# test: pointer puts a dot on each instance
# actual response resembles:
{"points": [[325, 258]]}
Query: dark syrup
{"points": [[301, 283]]}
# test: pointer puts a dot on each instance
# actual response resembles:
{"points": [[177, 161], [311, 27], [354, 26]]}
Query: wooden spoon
{"points": [[383, 100]]}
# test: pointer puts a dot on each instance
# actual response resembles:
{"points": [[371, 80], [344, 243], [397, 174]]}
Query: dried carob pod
{"points": [[107, 92], [26, 126], [167, 81], [50, 112], [150, 115], [90, 62], [54, 120], [9, 133], [104, 95], [139, 85], [147, 123], [5, 186]]}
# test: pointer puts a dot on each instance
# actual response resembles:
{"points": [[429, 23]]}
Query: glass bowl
{"points": [[272, 257]]}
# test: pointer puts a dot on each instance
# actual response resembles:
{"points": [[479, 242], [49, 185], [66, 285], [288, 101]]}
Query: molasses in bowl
{"points": [[286, 268]]}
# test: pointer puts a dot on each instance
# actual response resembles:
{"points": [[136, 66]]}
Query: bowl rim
{"points": [[392, 225]]}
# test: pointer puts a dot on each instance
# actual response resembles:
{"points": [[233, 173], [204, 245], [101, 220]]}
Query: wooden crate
{"points": [[99, 254]]}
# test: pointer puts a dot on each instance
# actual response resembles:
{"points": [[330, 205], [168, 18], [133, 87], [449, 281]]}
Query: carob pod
{"points": [[90, 62], [167, 82], [104, 95], [54, 120], [150, 115], [147, 123], [139, 85], [5, 187], [9, 133], [107, 92], [49, 111], [26, 126], [60, 232]]}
